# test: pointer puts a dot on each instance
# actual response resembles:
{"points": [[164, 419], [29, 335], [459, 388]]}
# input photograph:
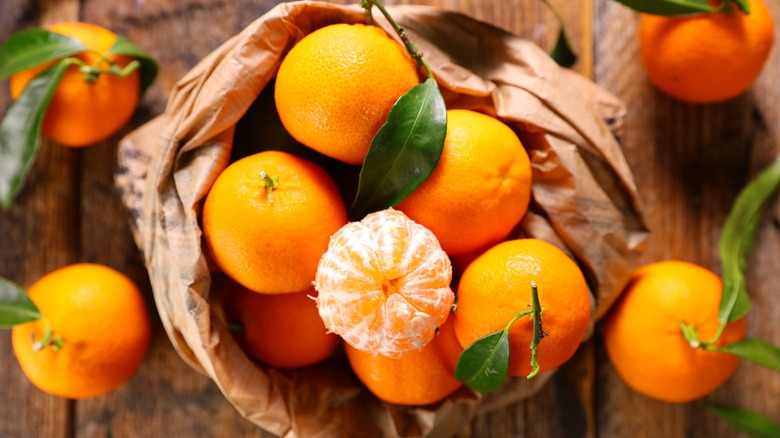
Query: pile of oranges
{"points": [[276, 224], [305, 283]]}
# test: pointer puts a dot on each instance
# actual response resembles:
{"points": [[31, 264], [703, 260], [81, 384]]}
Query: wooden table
{"points": [[689, 163]]}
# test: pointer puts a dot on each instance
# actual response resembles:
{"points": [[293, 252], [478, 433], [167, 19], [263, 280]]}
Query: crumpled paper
{"points": [[584, 200]]}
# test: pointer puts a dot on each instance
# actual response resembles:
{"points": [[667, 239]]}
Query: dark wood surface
{"points": [[689, 162]]}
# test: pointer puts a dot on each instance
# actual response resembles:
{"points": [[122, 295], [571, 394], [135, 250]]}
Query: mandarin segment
{"points": [[646, 320], [384, 284], [337, 85], [271, 243]]}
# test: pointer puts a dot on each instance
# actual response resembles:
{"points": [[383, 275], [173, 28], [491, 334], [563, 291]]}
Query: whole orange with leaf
{"points": [[480, 189], [268, 218], [336, 86], [644, 340], [281, 330], [706, 58], [81, 111], [99, 331], [497, 286]]}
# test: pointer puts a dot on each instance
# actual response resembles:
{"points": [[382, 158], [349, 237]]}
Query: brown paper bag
{"points": [[584, 200]]}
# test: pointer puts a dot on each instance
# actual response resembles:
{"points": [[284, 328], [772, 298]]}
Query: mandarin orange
{"points": [[644, 341], [416, 378], [336, 86], [82, 112], [267, 220], [480, 189], [706, 58], [284, 330], [99, 317], [497, 285]]}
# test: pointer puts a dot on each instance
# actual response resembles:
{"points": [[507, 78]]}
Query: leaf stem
{"points": [[92, 72], [367, 5], [538, 333], [555, 12], [49, 339], [410, 47], [270, 184]]}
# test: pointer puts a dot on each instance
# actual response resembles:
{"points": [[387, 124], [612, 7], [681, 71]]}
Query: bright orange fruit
{"points": [[272, 243], [284, 330], [416, 378], [384, 284], [706, 58], [336, 86], [646, 345], [80, 112], [100, 316], [480, 189], [497, 285]]}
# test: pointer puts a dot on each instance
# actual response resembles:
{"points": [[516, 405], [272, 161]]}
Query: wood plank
{"points": [[690, 161], [37, 235]]}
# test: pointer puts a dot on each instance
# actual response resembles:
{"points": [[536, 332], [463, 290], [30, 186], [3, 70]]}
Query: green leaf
{"points": [[484, 364], [562, 53], [149, 68], [20, 131], [670, 8], [755, 350], [15, 307], [404, 152], [750, 422], [28, 48], [738, 238], [538, 333], [743, 6]]}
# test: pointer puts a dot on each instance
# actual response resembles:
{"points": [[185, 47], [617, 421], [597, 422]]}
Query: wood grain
{"points": [[689, 162]]}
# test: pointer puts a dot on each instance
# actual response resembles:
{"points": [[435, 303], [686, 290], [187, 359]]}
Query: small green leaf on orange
{"points": [[755, 350], [404, 152], [15, 307], [20, 131], [149, 67], [483, 365], [32, 47], [670, 8]]}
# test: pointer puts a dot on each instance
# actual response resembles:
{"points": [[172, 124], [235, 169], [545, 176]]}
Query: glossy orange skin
{"points": [[102, 319], [284, 330], [416, 378], [706, 58], [272, 245], [643, 338], [480, 189], [497, 285], [336, 86]]}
